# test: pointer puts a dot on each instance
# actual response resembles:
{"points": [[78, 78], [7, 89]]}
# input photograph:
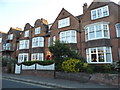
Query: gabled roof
{"points": [[15, 31], [63, 10]]}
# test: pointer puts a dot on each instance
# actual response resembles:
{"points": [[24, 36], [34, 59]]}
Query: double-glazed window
{"points": [[22, 57], [97, 31], [37, 30], [64, 22], [99, 55], [117, 29], [10, 36], [99, 12], [68, 36], [38, 42], [26, 33], [24, 44], [37, 56]]}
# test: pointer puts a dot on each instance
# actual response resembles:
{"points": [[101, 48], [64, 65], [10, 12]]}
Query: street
{"points": [[7, 83]]}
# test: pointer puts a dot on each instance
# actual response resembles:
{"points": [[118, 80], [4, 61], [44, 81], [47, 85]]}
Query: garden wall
{"points": [[41, 73], [111, 79]]}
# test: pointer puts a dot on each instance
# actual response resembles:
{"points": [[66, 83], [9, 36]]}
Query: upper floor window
{"points": [[99, 12], [0, 40], [37, 56], [38, 42], [48, 41], [118, 29], [10, 36], [37, 30], [99, 55], [24, 44], [54, 39], [97, 31], [27, 33], [64, 22], [69, 36]]}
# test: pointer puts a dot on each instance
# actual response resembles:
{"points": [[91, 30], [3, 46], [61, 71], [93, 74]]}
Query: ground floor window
{"points": [[37, 56], [22, 57], [99, 55]]}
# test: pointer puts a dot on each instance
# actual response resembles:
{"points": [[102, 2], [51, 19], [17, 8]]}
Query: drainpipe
{"points": [[80, 38]]}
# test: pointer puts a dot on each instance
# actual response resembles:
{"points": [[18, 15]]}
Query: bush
{"points": [[70, 65], [46, 62]]}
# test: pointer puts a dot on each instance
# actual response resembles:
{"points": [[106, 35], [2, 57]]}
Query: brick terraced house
{"points": [[10, 43], [95, 35]]}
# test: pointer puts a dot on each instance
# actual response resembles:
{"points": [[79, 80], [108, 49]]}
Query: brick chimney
{"points": [[85, 7]]}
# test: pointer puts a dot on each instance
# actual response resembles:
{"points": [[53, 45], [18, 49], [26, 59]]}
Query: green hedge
{"points": [[46, 62]]}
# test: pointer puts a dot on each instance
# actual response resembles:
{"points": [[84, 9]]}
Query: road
{"points": [[7, 83]]}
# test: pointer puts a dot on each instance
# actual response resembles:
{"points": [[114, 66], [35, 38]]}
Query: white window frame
{"points": [[24, 44], [67, 36], [54, 39], [39, 42], [26, 33], [64, 22], [38, 30], [0, 40], [8, 46], [103, 31], [117, 26], [88, 55], [95, 12], [10, 36], [48, 41], [37, 56], [21, 57]]}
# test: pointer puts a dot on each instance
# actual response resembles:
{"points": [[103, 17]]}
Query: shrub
{"points": [[70, 65], [46, 62]]}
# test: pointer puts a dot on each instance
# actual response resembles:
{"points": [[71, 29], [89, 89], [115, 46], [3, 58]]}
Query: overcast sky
{"points": [[16, 13]]}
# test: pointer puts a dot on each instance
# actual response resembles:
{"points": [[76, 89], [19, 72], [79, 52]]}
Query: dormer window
{"points": [[10, 36], [26, 33], [64, 22], [37, 30], [99, 12]]}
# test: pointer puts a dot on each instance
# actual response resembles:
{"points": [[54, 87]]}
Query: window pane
{"points": [[105, 11], [99, 11], [98, 34], [108, 57]]}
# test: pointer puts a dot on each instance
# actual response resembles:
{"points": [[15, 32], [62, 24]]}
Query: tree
{"points": [[62, 51]]}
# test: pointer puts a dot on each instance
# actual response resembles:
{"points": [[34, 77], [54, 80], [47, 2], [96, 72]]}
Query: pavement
{"points": [[53, 82]]}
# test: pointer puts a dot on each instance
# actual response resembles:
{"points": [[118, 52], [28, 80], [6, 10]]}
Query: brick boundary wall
{"points": [[110, 79], [41, 73]]}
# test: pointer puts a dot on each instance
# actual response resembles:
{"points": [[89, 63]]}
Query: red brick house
{"points": [[100, 37], [9, 47], [2, 38], [32, 41]]}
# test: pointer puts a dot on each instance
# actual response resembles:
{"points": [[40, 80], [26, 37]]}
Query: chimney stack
{"points": [[85, 7]]}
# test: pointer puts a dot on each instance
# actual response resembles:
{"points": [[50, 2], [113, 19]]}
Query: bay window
{"points": [[69, 36], [97, 31], [99, 12], [117, 29], [37, 56], [22, 57], [99, 55], [38, 42]]}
